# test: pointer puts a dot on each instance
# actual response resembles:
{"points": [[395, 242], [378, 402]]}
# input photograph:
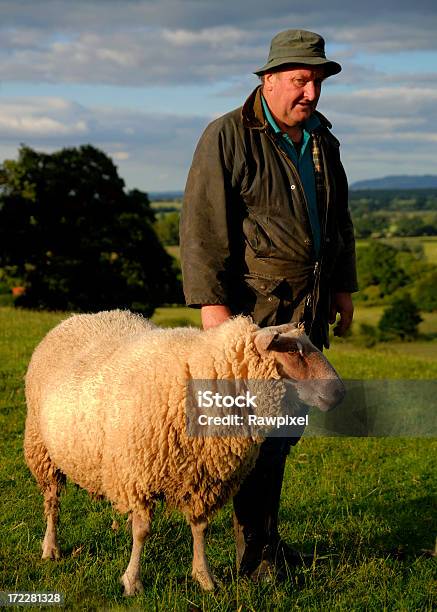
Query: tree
{"points": [[426, 291], [78, 240], [401, 319], [167, 228], [378, 265]]}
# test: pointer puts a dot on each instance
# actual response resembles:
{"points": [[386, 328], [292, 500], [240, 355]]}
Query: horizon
{"points": [[153, 192]]}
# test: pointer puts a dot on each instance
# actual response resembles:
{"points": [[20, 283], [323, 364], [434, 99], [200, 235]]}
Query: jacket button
{"points": [[270, 299], [262, 287], [292, 187]]}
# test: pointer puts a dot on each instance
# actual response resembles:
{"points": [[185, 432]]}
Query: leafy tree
{"points": [[401, 319], [371, 224], [413, 226], [377, 265], [77, 239], [426, 291]]}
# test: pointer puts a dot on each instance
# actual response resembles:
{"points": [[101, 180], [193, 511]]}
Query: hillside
{"points": [[403, 181]]}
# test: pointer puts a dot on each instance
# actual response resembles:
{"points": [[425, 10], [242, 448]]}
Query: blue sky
{"points": [[141, 79]]}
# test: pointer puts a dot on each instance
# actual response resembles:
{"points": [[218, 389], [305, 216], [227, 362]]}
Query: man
{"points": [[266, 231]]}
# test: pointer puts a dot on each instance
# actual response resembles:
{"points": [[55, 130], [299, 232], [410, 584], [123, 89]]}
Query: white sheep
{"points": [[106, 407]]}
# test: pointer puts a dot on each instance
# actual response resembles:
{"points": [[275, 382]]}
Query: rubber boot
{"points": [[260, 551]]}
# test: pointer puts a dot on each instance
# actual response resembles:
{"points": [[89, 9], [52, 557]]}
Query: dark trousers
{"points": [[256, 505]]}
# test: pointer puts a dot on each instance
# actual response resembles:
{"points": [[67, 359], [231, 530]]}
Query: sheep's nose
{"points": [[336, 390]]}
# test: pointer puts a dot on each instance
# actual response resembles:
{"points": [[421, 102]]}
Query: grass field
{"points": [[166, 205], [364, 506]]}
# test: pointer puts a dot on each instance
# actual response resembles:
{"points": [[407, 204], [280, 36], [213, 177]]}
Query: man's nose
{"points": [[311, 91]]}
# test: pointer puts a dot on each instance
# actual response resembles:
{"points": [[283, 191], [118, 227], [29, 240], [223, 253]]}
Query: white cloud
{"points": [[146, 145], [375, 138], [45, 117]]}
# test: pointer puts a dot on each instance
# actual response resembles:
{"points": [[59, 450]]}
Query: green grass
{"points": [[179, 315], [166, 205], [365, 507]]}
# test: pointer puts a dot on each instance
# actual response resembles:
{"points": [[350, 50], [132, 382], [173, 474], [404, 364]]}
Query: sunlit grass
{"points": [[363, 507]]}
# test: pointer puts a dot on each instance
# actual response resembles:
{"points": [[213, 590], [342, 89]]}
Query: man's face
{"points": [[292, 95]]}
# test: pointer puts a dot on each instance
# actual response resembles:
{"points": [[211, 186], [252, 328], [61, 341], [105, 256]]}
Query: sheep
{"points": [[106, 398]]}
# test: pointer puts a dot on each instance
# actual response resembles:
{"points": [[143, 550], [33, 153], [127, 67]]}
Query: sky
{"points": [[142, 79]]}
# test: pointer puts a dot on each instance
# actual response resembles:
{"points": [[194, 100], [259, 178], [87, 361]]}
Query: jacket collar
{"points": [[253, 116]]}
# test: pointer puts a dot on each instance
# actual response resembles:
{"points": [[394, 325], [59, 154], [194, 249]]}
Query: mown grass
{"points": [[364, 507]]}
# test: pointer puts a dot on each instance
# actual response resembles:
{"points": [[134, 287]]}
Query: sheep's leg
{"points": [[50, 546], [201, 571], [131, 579], [50, 481]]}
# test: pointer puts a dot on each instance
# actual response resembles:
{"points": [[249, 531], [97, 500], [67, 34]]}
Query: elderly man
{"points": [[266, 231]]}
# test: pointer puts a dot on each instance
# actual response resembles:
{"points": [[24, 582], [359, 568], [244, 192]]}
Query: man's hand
{"points": [[341, 303], [214, 314]]}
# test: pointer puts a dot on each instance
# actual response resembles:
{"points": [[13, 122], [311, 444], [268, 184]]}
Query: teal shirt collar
{"points": [[308, 126]]}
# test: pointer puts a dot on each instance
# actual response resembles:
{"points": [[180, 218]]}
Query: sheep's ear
{"points": [[265, 338], [271, 339]]}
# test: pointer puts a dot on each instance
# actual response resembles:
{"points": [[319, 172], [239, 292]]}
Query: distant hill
{"points": [[403, 181]]}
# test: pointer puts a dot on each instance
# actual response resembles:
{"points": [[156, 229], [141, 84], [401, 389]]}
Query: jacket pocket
{"points": [[256, 237], [268, 300]]}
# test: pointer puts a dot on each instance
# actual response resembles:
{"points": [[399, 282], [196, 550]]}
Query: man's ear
{"points": [[269, 78]]}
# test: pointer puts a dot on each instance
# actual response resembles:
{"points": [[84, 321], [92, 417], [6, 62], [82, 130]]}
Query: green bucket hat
{"points": [[298, 47]]}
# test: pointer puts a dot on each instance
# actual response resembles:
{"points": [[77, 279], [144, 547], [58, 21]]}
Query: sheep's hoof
{"points": [[131, 587], [206, 581], [50, 551]]}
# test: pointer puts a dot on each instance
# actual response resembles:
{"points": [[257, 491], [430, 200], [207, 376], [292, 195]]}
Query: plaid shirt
{"points": [[319, 174]]}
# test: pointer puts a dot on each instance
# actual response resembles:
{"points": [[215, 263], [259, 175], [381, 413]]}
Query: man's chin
{"points": [[301, 115], [305, 111]]}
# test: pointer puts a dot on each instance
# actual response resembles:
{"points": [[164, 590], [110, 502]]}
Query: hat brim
{"points": [[330, 67]]}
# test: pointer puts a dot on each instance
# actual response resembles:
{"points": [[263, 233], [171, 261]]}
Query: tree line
{"points": [[389, 213], [376, 214]]}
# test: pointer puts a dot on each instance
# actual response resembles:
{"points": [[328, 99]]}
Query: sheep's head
{"points": [[297, 360]]}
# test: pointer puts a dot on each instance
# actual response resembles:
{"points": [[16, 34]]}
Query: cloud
{"points": [[44, 117], [187, 41], [111, 15], [384, 118], [392, 128], [385, 130], [148, 57], [401, 106], [145, 144]]}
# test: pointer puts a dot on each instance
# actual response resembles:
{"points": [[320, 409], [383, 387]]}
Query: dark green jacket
{"points": [[245, 233]]}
